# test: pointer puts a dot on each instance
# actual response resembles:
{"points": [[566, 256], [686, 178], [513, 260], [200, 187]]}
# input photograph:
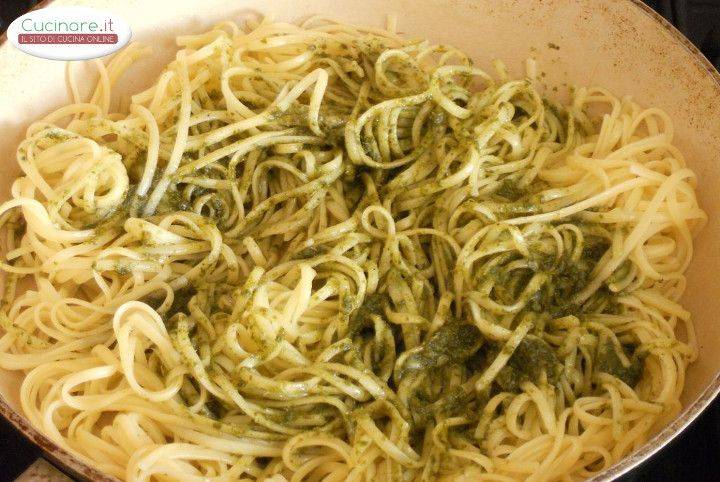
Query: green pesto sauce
{"points": [[608, 361], [566, 277], [510, 190], [455, 402], [529, 361], [453, 343], [180, 301], [374, 304], [310, 252]]}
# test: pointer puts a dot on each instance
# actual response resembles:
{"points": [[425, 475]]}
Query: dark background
{"points": [[692, 456]]}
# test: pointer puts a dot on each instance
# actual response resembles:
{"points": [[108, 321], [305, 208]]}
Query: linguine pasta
{"points": [[324, 252]]}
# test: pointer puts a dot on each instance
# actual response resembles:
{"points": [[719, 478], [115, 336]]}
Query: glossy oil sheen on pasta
{"points": [[323, 252]]}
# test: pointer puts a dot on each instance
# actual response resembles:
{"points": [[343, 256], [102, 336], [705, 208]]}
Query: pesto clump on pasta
{"points": [[325, 252]]}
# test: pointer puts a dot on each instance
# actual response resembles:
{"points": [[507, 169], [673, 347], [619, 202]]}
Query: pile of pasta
{"points": [[325, 252]]}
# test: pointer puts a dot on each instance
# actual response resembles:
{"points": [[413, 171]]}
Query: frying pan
{"points": [[618, 44]]}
